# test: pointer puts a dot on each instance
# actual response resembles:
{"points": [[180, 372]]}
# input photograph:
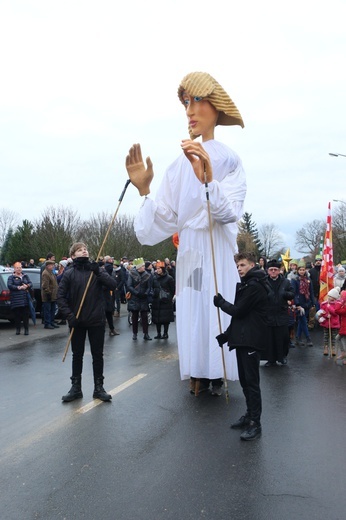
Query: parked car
{"points": [[5, 305]]}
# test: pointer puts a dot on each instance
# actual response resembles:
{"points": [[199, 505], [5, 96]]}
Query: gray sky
{"points": [[83, 80]]}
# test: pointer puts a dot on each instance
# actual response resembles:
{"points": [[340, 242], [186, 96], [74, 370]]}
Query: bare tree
{"points": [[308, 238], [55, 232], [339, 233], [8, 220], [271, 239]]}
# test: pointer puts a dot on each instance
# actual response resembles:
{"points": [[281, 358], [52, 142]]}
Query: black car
{"points": [[5, 306]]}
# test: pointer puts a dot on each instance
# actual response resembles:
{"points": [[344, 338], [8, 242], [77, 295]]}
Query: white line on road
{"points": [[115, 391]]}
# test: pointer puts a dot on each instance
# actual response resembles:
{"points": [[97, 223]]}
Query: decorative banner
{"points": [[327, 269]]}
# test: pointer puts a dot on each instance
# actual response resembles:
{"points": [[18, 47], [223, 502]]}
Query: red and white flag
{"points": [[327, 268]]}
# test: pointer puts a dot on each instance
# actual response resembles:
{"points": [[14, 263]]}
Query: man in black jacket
{"points": [[278, 318], [248, 333], [91, 319]]}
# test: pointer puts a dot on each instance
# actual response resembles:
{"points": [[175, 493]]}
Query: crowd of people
{"points": [[294, 304]]}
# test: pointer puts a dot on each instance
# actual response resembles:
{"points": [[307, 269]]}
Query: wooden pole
{"points": [[215, 278], [91, 273]]}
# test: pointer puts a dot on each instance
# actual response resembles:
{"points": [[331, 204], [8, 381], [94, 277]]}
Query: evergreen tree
{"points": [[4, 258], [248, 239]]}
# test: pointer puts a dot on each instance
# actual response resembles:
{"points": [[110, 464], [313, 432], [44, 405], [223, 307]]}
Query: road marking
{"points": [[114, 391]]}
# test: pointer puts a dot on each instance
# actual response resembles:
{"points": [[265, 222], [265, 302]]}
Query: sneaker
{"points": [[283, 361], [114, 332], [270, 364], [310, 343], [253, 431], [56, 326], [241, 423], [134, 337], [49, 327]]}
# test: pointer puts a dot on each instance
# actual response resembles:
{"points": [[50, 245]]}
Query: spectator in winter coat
{"points": [[340, 277], [303, 300], [248, 333], [119, 275], [162, 307], [91, 318], [329, 321], [139, 285], [49, 292], [340, 341], [314, 273], [281, 293], [19, 284]]}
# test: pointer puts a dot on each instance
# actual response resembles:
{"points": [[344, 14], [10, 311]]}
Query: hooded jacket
{"points": [[249, 326]]}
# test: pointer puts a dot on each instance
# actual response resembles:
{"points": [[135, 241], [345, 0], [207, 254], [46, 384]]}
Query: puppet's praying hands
{"points": [[140, 176]]}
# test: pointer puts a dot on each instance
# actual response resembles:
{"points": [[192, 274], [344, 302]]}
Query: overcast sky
{"points": [[81, 81]]}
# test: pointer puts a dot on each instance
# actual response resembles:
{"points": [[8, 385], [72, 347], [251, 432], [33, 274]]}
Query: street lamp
{"points": [[337, 154]]}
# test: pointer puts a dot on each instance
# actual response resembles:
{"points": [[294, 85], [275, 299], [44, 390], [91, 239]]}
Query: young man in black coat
{"points": [[91, 319], [248, 334]]}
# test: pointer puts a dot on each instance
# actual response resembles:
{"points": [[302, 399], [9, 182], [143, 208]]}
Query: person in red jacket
{"points": [[329, 320], [340, 341]]}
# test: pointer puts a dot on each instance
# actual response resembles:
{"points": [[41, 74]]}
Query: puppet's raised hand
{"points": [[199, 159], [140, 176]]}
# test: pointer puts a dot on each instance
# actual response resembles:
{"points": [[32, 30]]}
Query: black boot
{"points": [[17, 331], [75, 391], [26, 332], [99, 391]]}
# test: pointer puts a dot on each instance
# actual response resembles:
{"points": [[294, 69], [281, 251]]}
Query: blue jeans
{"points": [[48, 312], [303, 326]]}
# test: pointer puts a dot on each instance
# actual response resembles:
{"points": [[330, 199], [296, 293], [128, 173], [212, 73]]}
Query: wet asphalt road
{"points": [[158, 453]]}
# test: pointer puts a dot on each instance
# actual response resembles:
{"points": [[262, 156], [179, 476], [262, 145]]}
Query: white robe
{"points": [[181, 206]]}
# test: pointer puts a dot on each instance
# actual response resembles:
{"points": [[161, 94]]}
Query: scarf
{"points": [[304, 287]]}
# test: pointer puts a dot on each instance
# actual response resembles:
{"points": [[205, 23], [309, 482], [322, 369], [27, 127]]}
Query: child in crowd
{"points": [[329, 320], [340, 341]]}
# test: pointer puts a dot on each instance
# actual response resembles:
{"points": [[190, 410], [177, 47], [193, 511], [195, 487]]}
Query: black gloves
{"points": [[94, 267], [221, 338], [72, 321], [219, 300]]}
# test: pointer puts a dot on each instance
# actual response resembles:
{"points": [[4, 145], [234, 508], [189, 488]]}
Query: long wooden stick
{"points": [[215, 279], [91, 273]]}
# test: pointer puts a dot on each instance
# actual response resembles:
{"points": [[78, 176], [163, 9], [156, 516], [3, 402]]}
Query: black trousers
{"points": [[21, 314], [109, 317], [278, 339], [248, 369], [96, 337], [144, 321]]}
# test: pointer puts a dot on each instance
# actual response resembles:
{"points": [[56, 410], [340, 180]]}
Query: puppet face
{"points": [[202, 116]]}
